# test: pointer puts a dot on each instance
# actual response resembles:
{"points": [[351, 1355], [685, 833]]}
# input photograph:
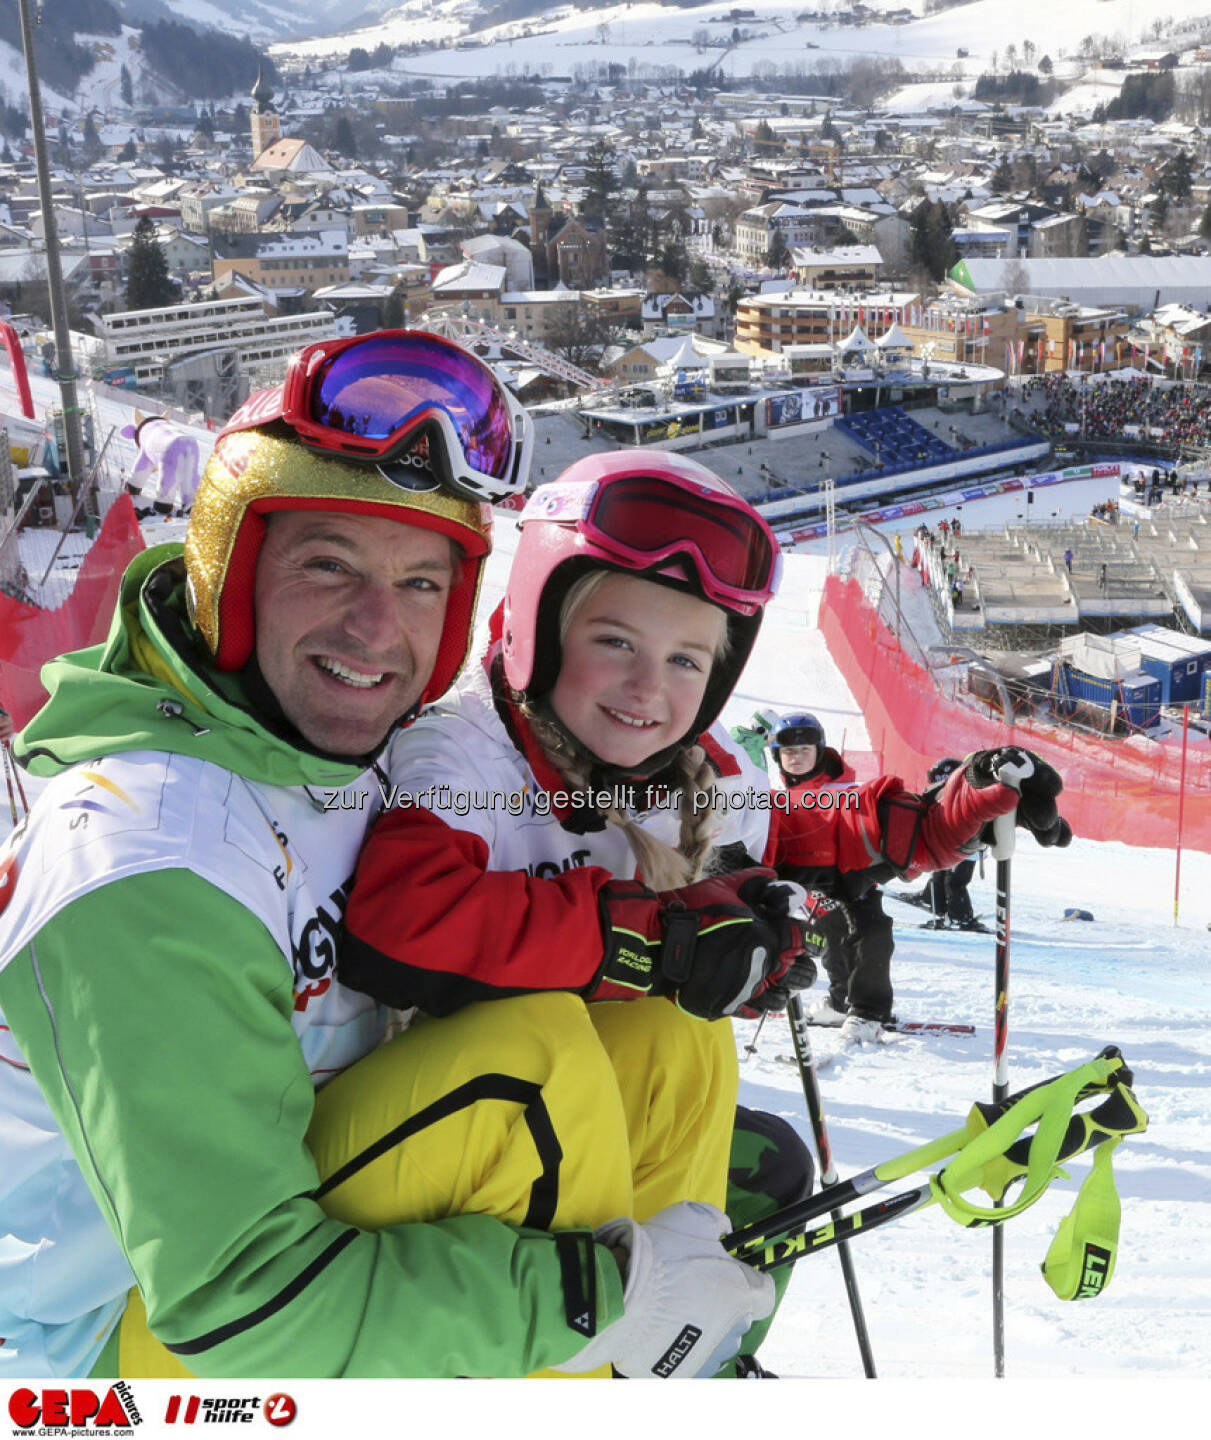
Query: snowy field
{"points": [[648, 37]]}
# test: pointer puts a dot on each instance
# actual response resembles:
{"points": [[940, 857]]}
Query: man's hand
{"points": [[688, 1302]]}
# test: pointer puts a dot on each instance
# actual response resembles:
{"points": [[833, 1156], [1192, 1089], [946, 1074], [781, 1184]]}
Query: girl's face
{"points": [[636, 660]]}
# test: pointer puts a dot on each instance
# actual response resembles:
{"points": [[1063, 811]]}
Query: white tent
{"points": [[687, 356], [858, 340], [895, 339]]}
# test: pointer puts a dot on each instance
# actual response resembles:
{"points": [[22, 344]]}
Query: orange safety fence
{"points": [[1126, 790], [30, 636]]}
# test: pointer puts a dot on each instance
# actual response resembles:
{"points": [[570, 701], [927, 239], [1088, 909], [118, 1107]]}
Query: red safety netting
{"points": [[1127, 790], [30, 636]]}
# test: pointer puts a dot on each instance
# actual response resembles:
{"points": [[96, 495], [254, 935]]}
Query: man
{"points": [[168, 922]]}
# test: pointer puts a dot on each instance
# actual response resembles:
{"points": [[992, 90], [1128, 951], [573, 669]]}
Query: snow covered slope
{"points": [[648, 38]]}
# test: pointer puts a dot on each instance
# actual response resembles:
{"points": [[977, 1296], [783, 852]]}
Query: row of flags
{"points": [[924, 317], [1095, 351], [920, 317]]}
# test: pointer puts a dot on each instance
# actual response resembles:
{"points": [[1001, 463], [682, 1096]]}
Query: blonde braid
{"points": [[698, 827]]}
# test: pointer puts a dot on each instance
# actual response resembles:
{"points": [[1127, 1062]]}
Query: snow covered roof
{"points": [[806, 258], [294, 155], [1141, 281], [469, 275]]}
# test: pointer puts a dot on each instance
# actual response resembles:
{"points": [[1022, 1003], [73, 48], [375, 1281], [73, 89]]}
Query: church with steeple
{"points": [[274, 156], [265, 121], [569, 250]]}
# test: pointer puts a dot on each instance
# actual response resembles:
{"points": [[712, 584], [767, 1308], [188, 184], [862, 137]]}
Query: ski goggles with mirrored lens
{"points": [[644, 520], [425, 410]]}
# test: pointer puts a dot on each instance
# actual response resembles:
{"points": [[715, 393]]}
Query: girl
{"points": [[571, 819]]}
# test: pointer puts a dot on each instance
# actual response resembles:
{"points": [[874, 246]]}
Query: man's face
{"points": [[349, 616]]}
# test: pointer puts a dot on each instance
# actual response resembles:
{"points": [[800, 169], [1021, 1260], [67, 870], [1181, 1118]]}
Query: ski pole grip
{"points": [[1118, 1115], [993, 1110], [1003, 835]]}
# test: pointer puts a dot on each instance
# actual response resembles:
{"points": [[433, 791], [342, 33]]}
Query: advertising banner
{"points": [[793, 407]]}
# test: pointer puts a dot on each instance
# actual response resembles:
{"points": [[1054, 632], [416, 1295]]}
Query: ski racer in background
{"points": [[571, 825], [168, 924], [946, 893], [847, 906]]}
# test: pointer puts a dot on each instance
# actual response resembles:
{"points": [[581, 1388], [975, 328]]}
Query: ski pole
{"points": [[8, 780], [10, 775], [751, 1047], [1110, 1122], [1003, 1149], [828, 1172], [1002, 850]]}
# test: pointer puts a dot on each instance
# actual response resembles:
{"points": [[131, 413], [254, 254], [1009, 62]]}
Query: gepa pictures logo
{"points": [[71, 1411]]}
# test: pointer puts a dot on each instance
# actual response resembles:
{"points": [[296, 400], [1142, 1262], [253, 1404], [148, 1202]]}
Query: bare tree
{"points": [[579, 335], [1015, 278]]}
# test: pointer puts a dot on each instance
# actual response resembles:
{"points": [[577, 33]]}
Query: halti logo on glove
{"points": [[677, 1352]]}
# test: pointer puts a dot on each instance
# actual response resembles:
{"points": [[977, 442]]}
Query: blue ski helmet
{"points": [[940, 769], [800, 729]]}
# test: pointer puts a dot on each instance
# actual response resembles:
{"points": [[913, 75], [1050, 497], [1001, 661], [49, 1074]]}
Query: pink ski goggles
{"points": [[641, 521], [424, 409]]}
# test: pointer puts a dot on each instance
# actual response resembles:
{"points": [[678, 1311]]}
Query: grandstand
{"points": [[895, 440], [1020, 579]]}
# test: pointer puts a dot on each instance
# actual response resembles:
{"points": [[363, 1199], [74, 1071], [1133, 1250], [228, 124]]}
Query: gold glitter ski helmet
{"points": [[260, 465]]}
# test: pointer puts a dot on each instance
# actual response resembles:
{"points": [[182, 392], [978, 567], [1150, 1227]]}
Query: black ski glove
{"points": [[719, 946], [1036, 782]]}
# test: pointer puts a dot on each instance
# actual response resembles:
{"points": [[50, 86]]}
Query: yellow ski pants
{"points": [[540, 1110]]}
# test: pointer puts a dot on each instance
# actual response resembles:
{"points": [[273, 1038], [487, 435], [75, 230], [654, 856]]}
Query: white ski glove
{"points": [[688, 1302]]}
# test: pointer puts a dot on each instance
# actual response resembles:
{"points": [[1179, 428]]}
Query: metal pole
{"points": [[65, 369], [1181, 811], [1000, 1089], [828, 1172]]}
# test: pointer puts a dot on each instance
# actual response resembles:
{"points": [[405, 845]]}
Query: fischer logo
{"points": [[278, 1409], [67, 1412]]}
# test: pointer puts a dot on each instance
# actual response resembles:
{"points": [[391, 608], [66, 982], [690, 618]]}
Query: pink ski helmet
{"points": [[651, 513]]}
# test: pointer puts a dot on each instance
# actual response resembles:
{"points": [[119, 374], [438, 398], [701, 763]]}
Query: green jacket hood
{"points": [[104, 700]]}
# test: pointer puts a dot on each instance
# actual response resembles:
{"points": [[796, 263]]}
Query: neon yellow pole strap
{"points": [[990, 1159], [1080, 1262]]}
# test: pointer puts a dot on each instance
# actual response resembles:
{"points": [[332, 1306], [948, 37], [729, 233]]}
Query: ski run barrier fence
{"points": [[1127, 790]]}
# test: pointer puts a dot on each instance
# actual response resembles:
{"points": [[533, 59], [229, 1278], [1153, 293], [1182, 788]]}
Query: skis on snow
{"points": [[909, 1027]]}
